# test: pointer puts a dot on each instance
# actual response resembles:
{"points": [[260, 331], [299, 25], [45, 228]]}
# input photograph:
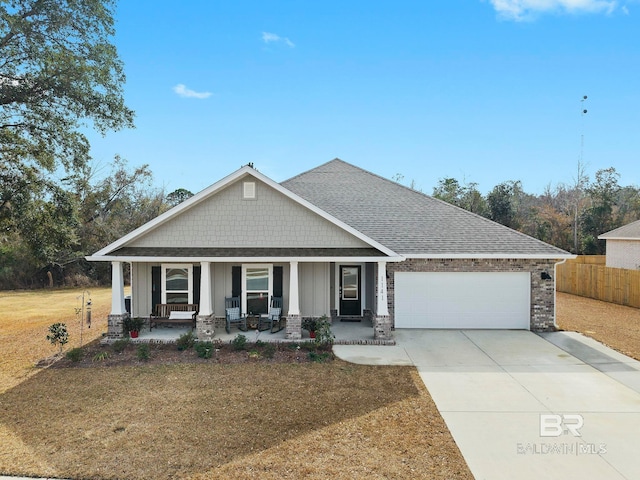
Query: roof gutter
{"points": [[555, 289], [134, 259], [475, 256]]}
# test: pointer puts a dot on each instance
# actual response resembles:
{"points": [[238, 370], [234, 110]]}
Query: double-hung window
{"points": [[177, 281], [257, 280]]}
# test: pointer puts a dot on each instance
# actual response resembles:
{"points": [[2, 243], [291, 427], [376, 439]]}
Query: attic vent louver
{"points": [[249, 190]]}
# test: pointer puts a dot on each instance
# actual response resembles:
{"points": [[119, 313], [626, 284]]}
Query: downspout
{"points": [[555, 291]]}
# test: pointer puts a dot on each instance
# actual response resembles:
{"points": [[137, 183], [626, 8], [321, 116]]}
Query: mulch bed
{"points": [[96, 354]]}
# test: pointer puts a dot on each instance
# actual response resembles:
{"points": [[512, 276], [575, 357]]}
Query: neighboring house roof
{"points": [[410, 222], [626, 232]]}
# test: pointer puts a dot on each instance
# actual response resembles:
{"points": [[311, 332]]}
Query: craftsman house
{"points": [[339, 241]]}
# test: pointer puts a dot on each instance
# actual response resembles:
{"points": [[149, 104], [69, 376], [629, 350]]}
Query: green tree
{"points": [[178, 196], [59, 74], [466, 196], [449, 190], [501, 207], [600, 216]]}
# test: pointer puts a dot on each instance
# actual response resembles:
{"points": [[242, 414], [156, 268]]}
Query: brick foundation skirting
{"points": [[115, 330]]}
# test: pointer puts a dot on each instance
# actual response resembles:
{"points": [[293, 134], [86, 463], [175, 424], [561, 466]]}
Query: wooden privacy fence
{"points": [[588, 276]]}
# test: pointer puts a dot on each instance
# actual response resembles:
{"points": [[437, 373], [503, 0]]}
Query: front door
{"points": [[350, 295]]}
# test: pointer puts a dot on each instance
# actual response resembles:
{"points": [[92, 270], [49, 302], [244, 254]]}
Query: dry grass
{"points": [[614, 325], [208, 420], [25, 317]]}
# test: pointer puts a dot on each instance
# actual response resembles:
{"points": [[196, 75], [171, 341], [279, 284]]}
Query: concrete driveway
{"points": [[520, 405]]}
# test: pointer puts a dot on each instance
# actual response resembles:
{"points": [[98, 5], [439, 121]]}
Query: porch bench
{"points": [[174, 313]]}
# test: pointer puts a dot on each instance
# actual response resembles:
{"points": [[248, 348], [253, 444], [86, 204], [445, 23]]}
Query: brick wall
{"points": [[542, 291]]}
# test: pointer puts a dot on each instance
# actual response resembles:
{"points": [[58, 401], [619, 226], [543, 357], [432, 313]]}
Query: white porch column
{"points": [[206, 287], [117, 289], [205, 322], [382, 308], [294, 295], [294, 322]]}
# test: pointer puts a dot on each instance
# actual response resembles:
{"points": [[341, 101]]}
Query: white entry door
{"points": [[462, 300]]}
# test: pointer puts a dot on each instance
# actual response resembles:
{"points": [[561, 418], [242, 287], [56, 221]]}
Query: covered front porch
{"points": [[353, 332], [344, 288]]}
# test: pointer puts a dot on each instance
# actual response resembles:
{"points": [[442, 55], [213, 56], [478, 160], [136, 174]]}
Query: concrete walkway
{"points": [[520, 405]]}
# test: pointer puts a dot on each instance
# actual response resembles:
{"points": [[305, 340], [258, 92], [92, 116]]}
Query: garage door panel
{"points": [[462, 300]]}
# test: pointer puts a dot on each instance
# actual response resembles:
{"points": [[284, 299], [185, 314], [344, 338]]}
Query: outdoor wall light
{"points": [[545, 276]]}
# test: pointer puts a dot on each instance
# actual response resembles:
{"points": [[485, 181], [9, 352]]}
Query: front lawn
{"points": [[226, 421], [208, 419]]}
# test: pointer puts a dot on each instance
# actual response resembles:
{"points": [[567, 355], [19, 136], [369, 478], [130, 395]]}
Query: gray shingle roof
{"points": [[630, 231], [407, 221], [245, 252]]}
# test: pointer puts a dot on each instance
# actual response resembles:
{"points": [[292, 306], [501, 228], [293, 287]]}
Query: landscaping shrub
{"points": [[119, 345], [239, 343], [319, 357], [143, 352], [204, 349], [324, 335], [186, 341], [75, 354], [269, 350], [99, 357]]}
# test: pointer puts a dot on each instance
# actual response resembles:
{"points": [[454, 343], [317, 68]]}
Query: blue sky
{"points": [[483, 91]]}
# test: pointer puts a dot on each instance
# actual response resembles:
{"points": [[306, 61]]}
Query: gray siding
{"points": [[227, 220], [140, 289], [314, 289]]}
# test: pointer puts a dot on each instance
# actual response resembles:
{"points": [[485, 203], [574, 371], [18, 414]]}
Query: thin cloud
{"points": [[528, 9], [268, 37], [185, 92]]}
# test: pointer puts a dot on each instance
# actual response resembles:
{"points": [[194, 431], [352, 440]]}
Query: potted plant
{"points": [[310, 324], [133, 325]]}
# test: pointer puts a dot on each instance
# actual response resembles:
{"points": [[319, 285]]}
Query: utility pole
{"points": [[579, 178]]}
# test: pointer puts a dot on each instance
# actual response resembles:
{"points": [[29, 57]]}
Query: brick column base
{"points": [[382, 327], [205, 327], [294, 327], [115, 330]]}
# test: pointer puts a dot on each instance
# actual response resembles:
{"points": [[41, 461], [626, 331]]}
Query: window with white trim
{"points": [[257, 283], [177, 283]]}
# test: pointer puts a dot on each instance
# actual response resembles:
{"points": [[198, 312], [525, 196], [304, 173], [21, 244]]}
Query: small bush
{"points": [[143, 352], [186, 341], [324, 335], [75, 354], [58, 335], [309, 346], [255, 354], [119, 345], [204, 349], [269, 350], [99, 357], [319, 357], [239, 343]]}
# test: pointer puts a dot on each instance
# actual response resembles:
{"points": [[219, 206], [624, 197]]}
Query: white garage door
{"points": [[462, 300]]}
